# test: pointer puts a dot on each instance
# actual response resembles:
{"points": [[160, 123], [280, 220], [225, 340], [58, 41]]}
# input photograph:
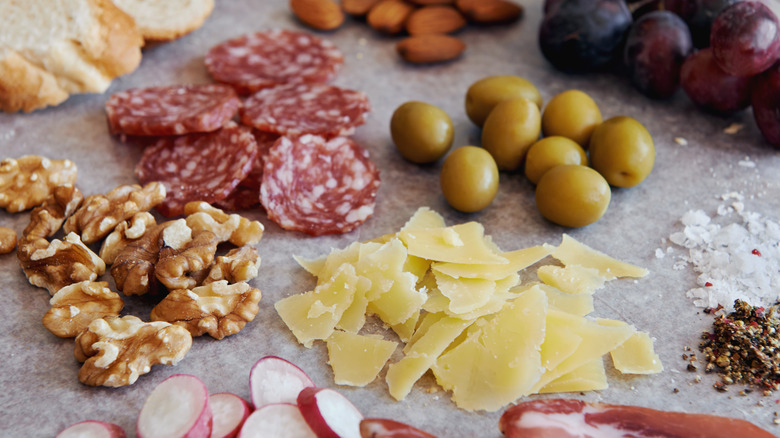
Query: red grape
{"points": [[655, 49], [699, 15], [710, 87], [745, 38], [766, 104]]}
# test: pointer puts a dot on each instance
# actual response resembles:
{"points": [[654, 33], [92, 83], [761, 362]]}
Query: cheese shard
{"points": [[439, 244], [422, 219], [312, 266], [465, 294], [402, 375], [572, 252], [590, 376], [636, 355], [405, 330], [437, 302], [572, 279], [579, 305], [357, 359], [560, 340], [597, 340], [314, 314], [499, 361], [518, 260]]}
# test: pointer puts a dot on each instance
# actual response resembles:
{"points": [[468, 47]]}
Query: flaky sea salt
{"points": [[736, 254]]}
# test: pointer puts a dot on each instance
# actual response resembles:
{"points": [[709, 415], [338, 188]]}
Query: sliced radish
{"points": [[384, 428], [276, 420], [229, 411], [329, 414], [176, 408], [275, 380], [92, 429]]}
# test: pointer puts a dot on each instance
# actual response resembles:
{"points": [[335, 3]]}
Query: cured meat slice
{"points": [[246, 195], [568, 418], [173, 110], [298, 109], [319, 186], [198, 167], [266, 59]]}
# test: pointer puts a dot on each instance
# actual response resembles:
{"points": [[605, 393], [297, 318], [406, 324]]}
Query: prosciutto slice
{"points": [[567, 418]]}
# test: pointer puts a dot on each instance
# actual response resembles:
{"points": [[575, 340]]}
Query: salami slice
{"points": [[173, 110], [265, 59], [298, 109], [319, 186], [246, 195], [198, 167]]}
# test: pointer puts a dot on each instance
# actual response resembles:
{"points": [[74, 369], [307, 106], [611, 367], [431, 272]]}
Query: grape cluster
{"points": [[722, 53]]}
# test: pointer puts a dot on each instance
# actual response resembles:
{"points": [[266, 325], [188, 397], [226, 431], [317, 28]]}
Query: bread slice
{"points": [[52, 49], [163, 20]]}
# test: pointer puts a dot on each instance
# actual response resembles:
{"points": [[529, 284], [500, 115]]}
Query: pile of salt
{"points": [[736, 254]]}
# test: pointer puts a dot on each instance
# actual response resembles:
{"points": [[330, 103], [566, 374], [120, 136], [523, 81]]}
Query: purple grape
{"points": [[766, 104], [699, 15], [745, 38], [655, 49], [711, 88], [583, 35]]}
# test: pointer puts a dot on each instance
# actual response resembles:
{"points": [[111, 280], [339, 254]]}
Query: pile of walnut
{"points": [[428, 23], [206, 293]]}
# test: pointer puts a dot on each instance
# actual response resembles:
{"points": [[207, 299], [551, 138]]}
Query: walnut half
{"points": [[59, 263], [75, 306], [232, 228], [219, 309], [27, 181], [7, 240], [116, 351], [124, 233], [99, 214], [240, 264]]}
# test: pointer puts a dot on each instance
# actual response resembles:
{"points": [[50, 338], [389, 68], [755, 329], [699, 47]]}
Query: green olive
{"points": [[422, 132], [622, 150], [469, 179], [572, 114], [550, 152], [510, 129], [572, 195], [486, 93]]}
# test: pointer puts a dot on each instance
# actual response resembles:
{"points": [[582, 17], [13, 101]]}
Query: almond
{"points": [[318, 14], [489, 11], [358, 8], [434, 19], [389, 16], [432, 2], [430, 48]]}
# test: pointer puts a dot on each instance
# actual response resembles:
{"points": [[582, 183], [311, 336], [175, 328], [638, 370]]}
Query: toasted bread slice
{"points": [[50, 50], [163, 20]]}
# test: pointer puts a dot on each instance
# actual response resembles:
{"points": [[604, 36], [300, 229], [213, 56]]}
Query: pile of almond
{"points": [[427, 24]]}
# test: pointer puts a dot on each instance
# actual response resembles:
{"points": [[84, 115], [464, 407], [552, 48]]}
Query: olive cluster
{"points": [[519, 133]]}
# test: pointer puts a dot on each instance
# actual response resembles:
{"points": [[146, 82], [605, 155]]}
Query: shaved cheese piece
{"points": [[597, 340], [636, 355], [437, 302], [572, 252], [314, 314], [437, 244], [560, 342], [573, 279], [312, 266], [501, 361], [464, 294], [518, 260], [402, 375], [590, 376], [356, 359], [579, 305], [405, 330], [422, 219]]}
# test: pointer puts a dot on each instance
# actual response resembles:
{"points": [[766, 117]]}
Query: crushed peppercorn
{"points": [[744, 347]]}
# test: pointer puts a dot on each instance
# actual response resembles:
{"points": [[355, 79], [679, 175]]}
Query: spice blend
{"points": [[744, 347]]}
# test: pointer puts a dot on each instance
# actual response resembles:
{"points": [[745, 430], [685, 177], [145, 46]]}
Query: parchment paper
{"points": [[41, 393]]}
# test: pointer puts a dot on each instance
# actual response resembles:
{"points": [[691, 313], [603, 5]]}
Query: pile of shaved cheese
{"points": [[457, 302]]}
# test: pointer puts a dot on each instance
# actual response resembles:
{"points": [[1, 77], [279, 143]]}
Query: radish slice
{"points": [[384, 428], [176, 408], [229, 411], [276, 420], [92, 429], [275, 380], [329, 414]]}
